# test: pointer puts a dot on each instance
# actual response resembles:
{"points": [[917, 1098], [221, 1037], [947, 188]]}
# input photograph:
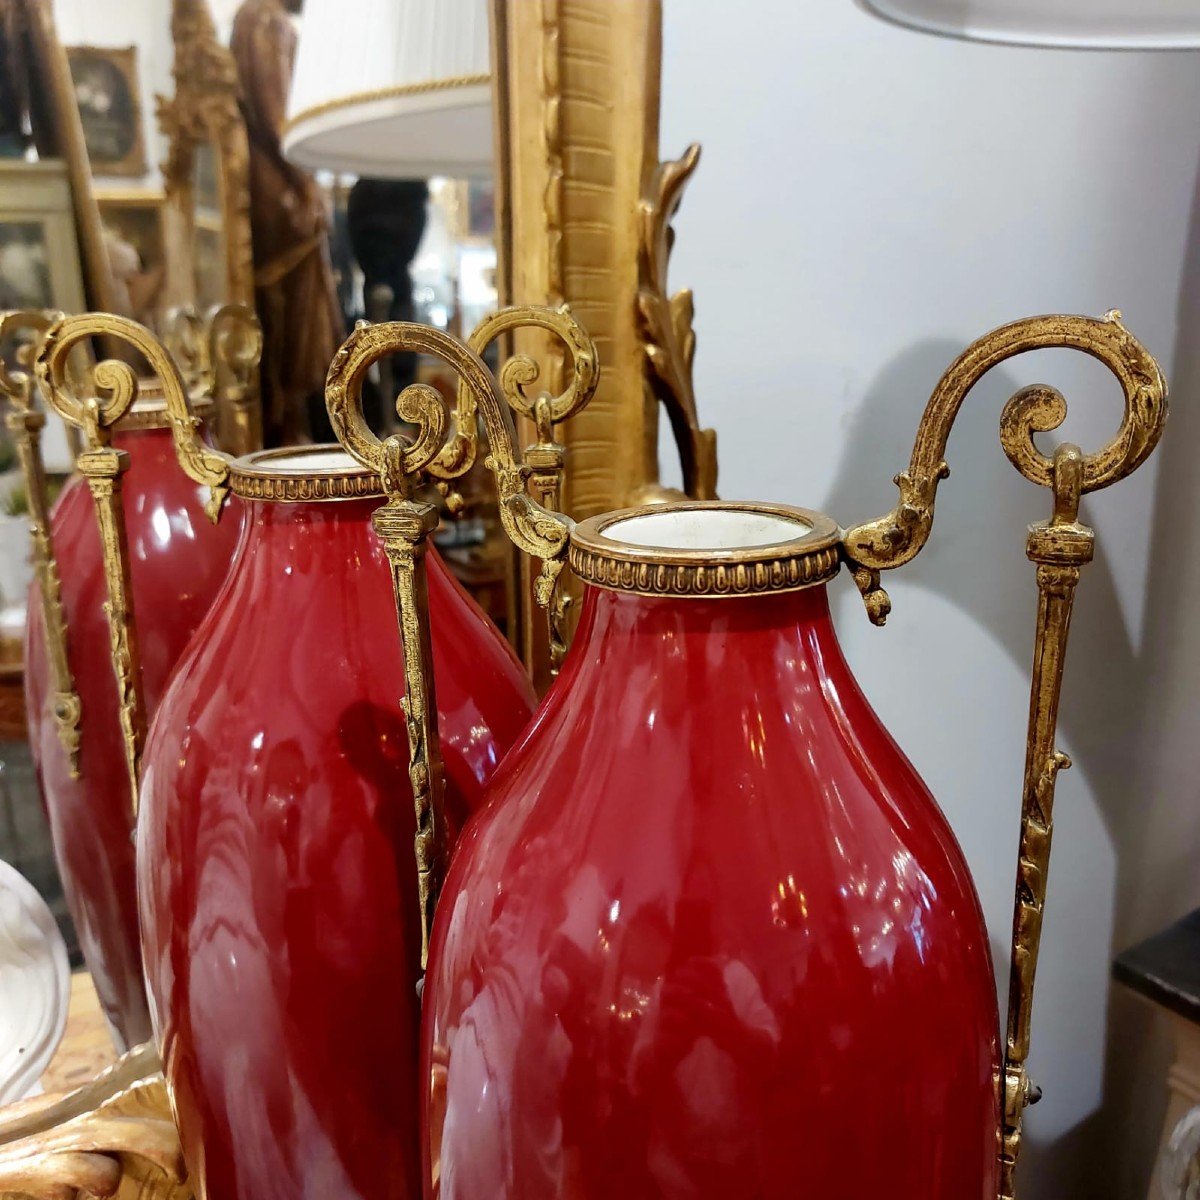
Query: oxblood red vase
{"points": [[276, 863], [178, 559], [711, 935]]}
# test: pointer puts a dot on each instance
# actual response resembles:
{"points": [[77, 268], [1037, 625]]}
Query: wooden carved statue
{"points": [[294, 288]]}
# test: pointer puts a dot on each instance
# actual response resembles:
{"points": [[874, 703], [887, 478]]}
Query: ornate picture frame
{"points": [[136, 219], [108, 94]]}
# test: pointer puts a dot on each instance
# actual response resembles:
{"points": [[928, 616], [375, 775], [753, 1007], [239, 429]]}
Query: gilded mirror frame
{"points": [[205, 111], [583, 216]]}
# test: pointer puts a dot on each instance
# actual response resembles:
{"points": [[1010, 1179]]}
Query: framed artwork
{"points": [[39, 262], [135, 231], [137, 218], [39, 254], [107, 94]]}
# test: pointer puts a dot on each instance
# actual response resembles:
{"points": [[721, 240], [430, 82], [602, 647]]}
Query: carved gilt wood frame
{"points": [[205, 110]]}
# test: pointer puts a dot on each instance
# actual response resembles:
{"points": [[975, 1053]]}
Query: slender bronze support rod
{"points": [[404, 526], [103, 466], [443, 450], [25, 424], [1059, 547]]}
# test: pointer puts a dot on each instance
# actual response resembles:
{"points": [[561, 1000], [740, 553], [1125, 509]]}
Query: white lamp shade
{"points": [[1072, 24], [393, 89]]}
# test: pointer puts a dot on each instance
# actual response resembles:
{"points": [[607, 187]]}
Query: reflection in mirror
{"points": [[396, 115], [293, 285], [423, 250], [209, 252], [171, 229]]}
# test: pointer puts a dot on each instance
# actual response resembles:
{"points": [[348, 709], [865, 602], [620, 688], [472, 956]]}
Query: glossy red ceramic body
{"points": [[276, 862], [178, 559], [711, 936]]}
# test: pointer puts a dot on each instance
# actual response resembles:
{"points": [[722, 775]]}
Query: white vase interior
{"points": [[707, 529], [316, 460]]}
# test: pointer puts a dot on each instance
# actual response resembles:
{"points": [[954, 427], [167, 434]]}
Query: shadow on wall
{"points": [[1113, 695]]}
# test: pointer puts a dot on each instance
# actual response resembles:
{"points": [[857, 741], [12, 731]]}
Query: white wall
{"points": [[868, 202], [141, 23]]}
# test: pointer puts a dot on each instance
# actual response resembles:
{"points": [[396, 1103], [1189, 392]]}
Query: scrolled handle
{"points": [[185, 336], [116, 385], [29, 326], [521, 371], [897, 537], [1059, 547], [404, 524], [235, 346], [531, 527], [517, 375]]}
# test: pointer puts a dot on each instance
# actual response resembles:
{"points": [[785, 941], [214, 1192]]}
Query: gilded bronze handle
{"points": [[545, 457], [186, 339], [235, 345], [517, 375], [25, 424], [116, 386], [1059, 548], [894, 539], [404, 524]]}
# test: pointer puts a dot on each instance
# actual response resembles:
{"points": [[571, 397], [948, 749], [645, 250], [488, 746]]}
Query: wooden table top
{"points": [[86, 1048], [1166, 968]]}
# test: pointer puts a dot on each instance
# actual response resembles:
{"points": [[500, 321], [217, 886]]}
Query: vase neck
{"points": [[702, 637], [270, 518], [138, 441]]}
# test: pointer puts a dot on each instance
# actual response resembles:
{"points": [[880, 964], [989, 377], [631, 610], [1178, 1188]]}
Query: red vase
{"points": [[178, 559], [711, 936], [276, 865]]}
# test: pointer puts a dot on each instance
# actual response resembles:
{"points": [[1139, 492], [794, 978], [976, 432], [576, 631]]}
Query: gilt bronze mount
{"points": [[1059, 547], [112, 394]]}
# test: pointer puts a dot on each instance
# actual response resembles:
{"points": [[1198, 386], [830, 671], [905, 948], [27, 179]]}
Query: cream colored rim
{"points": [[302, 473], [779, 549], [149, 410]]}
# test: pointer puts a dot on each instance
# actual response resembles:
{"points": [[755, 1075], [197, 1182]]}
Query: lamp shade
{"points": [[1071, 24], [392, 88]]}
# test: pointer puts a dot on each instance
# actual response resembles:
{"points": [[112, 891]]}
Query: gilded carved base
{"points": [[113, 1137]]}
